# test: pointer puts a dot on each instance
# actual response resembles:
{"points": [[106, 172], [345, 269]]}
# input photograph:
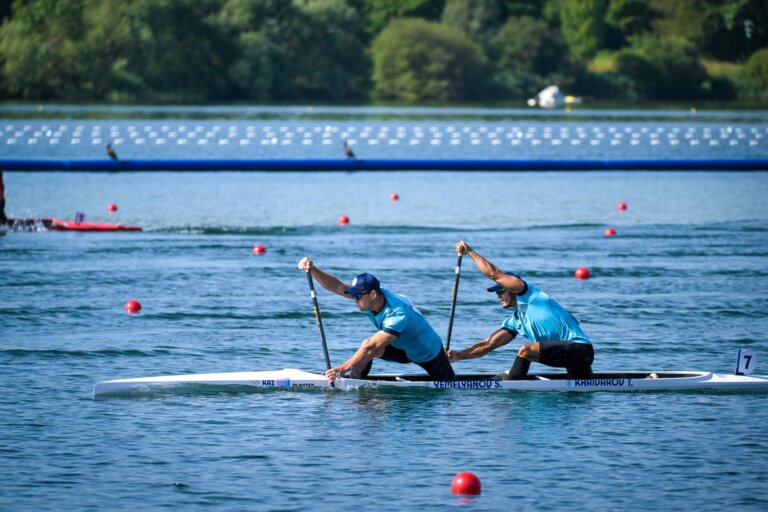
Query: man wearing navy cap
{"points": [[555, 336], [403, 336]]}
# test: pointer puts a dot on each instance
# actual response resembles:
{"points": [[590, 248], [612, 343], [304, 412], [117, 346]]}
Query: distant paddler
{"points": [[111, 152], [555, 336], [403, 334]]}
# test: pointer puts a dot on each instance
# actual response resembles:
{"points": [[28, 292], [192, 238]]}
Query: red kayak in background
{"points": [[70, 225], [66, 225]]}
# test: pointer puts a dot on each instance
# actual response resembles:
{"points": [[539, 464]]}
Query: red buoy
{"points": [[394, 196], [343, 220], [132, 307], [622, 206], [259, 249], [582, 273], [610, 232], [466, 484], [112, 207]]}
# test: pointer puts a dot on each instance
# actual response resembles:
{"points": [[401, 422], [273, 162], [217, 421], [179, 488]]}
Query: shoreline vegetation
{"points": [[639, 54]]}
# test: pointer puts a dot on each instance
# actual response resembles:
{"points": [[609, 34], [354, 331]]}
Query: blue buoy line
{"points": [[386, 165]]}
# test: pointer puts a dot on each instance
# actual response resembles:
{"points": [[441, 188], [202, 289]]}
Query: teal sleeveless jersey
{"points": [[539, 317], [415, 336]]}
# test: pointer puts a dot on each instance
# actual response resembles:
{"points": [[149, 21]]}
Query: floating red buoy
{"points": [[394, 196], [582, 273], [610, 232], [112, 207], [622, 206], [343, 220], [259, 249], [466, 484], [132, 307]]}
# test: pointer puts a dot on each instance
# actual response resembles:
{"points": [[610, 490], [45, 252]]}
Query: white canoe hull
{"points": [[299, 379]]}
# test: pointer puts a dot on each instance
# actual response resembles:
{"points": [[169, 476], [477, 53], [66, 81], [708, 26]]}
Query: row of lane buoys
{"points": [[413, 135], [367, 131], [344, 220], [395, 142], [583, 273]]}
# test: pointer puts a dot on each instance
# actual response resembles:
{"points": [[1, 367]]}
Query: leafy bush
{"points": [[663, 68], [417, 60], [528, 45], [756, 67]]}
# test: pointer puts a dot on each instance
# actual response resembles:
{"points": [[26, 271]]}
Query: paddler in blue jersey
{"points": [[403, 334], [555, 336]]}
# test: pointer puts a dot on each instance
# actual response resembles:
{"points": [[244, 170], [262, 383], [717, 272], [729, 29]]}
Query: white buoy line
{"points": [[414, 135]]}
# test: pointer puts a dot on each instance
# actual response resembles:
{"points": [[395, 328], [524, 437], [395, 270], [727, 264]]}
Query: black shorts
{"points": [[438, 368], [575, 357]]}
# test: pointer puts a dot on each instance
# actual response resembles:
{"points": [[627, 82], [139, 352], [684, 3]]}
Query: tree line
{"points": [[406, 51]]}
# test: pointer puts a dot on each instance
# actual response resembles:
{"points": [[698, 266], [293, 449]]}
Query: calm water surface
{"points": [[682, 286]]}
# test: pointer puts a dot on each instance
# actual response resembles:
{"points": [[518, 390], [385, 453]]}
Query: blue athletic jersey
{"points": [[415, 336], [539, 317]]}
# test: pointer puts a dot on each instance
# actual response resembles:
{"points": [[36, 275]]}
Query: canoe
{"points": [[53, 224], [70, 225], [299, 379]]}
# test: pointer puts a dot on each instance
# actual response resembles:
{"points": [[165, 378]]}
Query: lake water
{"points": [[682, 286]]}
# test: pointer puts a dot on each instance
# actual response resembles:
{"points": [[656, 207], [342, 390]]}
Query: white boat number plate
{"points": [[746, 362]]}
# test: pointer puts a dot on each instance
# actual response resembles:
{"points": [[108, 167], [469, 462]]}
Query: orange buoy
{"points": [[259, 249], [610, 232], [582, 273], [343, 220], [622, 206], [466, 484], [112, 207], [132, 307]]}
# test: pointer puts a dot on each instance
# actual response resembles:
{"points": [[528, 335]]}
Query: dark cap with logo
{"points": [[363, 283]]}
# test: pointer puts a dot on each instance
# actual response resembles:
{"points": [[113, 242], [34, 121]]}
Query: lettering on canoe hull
{"points": [[273, 383], [600, 383], [467, 384]]}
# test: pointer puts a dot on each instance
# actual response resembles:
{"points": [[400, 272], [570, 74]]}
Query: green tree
{"points": [[582, 23], [292, 51], [380, 12], [113, 41], [332, 58], [626, 19], [477, 19], [757, 68], [663, 68], [39, 49], [718, 28], [416, 60], [528, 45], [184, 55]]}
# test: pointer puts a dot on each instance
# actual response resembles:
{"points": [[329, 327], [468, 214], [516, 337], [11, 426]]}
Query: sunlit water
{"points": [[681, 286]]}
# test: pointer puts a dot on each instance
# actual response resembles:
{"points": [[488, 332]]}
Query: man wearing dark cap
{"points": [[555, 336], [403, 336]]}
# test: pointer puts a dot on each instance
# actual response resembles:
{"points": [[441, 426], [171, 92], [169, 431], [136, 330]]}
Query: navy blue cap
{"points": [[363, 283], [496, 287]]}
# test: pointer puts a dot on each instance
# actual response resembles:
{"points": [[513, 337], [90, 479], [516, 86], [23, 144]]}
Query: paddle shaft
{"points": [[453, 303], [318, 319]]}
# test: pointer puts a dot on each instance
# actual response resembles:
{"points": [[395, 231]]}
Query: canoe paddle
{"points": [[453, 303], [319, 321]]}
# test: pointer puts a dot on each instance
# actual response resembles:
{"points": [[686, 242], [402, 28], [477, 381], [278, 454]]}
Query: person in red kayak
{"points": [[3, 218]]}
